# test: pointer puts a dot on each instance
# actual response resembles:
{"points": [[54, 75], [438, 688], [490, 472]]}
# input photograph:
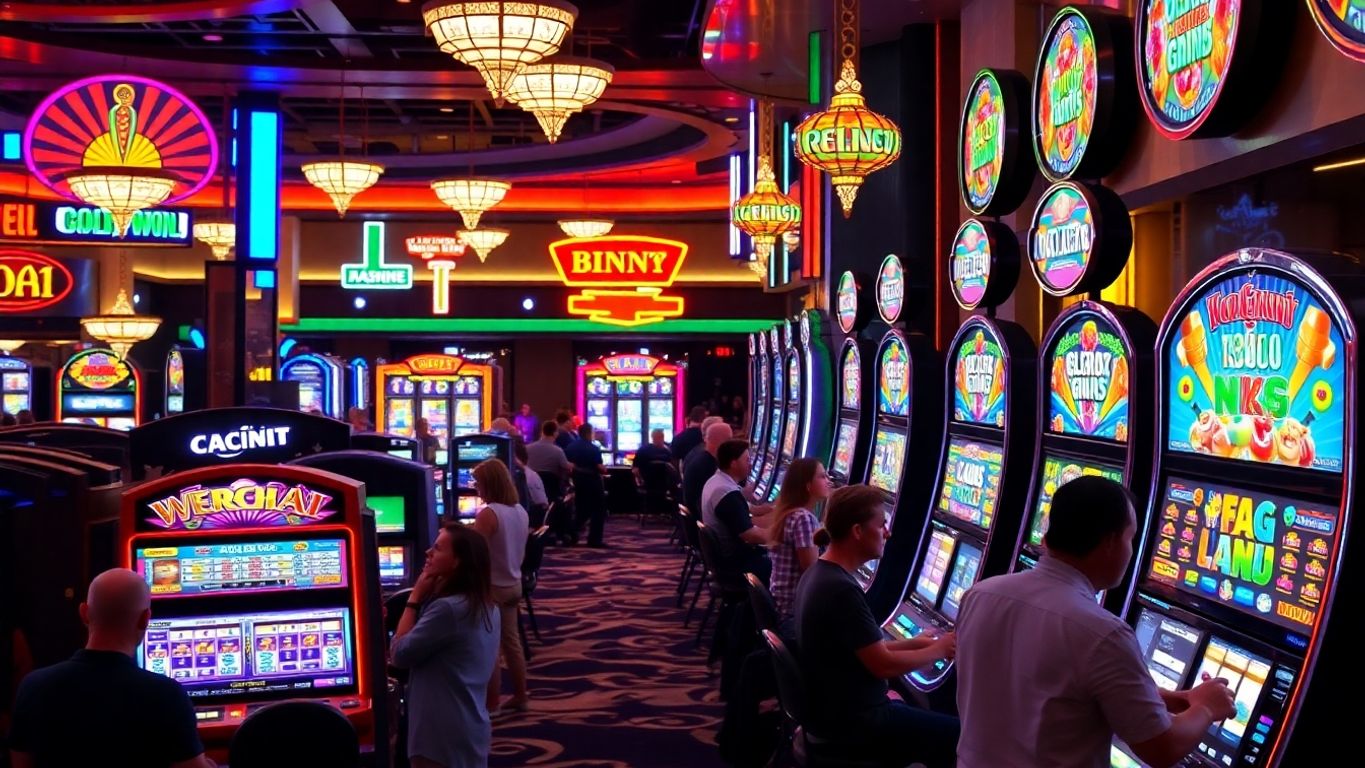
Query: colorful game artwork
{"points": [[1257, 373], [971, 264], [979, 395], [1090, 380], [888, 460], [851, 380], [98, 370], [846, 297], [971, 481], [893, 379], [890, 289], [1057, 472], [1187, 50], [1343, 22], [243, 503], [843, 449], [1063, 239], [983, 142], [1065, 95]]}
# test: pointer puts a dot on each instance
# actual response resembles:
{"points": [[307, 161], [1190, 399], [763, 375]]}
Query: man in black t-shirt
{"points": [[689, 438], [99, 708], [846, 660]]}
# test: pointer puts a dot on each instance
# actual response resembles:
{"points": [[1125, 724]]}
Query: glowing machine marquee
{"points": [[627, 397], [623, 277]]}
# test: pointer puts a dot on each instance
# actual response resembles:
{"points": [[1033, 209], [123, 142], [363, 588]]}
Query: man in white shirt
{"points": [[1047, 677]]}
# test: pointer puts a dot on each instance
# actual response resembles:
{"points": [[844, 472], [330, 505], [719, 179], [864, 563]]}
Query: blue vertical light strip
{"points": [[735, 181], [264, 214], [13, 146], [234, 137]]}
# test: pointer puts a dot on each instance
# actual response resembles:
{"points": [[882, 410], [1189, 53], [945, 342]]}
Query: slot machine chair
{"points": [[807, 751], [294, 733]]}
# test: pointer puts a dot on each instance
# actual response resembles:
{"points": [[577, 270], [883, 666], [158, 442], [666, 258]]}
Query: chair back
{"points": [[690, 523], [554, 485], [294, 733], [394, 605], [723, 571], [765, 610], [791, 686], [535, 555]]}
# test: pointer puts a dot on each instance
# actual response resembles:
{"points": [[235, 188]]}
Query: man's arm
{"points": [[755, 536], [1205, 704], [883, 660]]}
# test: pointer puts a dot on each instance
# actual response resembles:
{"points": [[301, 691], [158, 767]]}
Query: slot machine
{"points": [[1094, 408], [626, 397], [755, 394], [358, 384], [264, 587], [184, 380], [785, 378], [393, 445], [848, 454], [763, 409], [402, 495], [467, 451], [16, 384], [320, 383], [100, 388], [1243, 566], [813, 419], [453, 394], [905, 423]]}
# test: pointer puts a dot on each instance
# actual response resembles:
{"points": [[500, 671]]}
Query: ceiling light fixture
{"points": [[557, 88], [483, 241], [593, 227], [121, 190], [121, 328], [343, 179], [218, 235], [9, 345], [471, 197], [499, 37]]}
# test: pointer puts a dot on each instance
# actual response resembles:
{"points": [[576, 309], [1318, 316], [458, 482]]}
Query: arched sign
{"points": [[1090, 378], [890, 289], [994, 174], [1080, 238], [853, 304], [979, 392], [1343, 22], [984, 264]]}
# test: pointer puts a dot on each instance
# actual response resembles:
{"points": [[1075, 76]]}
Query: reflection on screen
{"points": [[393, 568], [280, 651], [1245, 674], [243, 567], [389, 513], [888, 458], [935, 567], [843, 449], [965, 567], [1168, 646]]}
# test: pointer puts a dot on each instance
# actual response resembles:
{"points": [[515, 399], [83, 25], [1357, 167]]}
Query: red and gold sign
{"points": [[434, 365], [439, 252], [97, 369], [625, 367], [636, 267], [31, 281]]}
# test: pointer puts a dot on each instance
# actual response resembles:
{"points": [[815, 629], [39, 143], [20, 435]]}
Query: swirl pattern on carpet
{"points": [[617, 682]]}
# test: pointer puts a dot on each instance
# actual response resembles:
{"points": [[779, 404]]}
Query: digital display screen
{"points": [[175, 403], [389, 513], [1058, 471], [1089, 380], [464, 477], [97, 403], [888, 457], [468, 506], [789, 434], [243, 567], [971, 481], [893, 379], [843, 449], [398, 417], [937, 559], [468, 416], [393, 566], [15, 381], [966, 565], [1261, 554], [14, 402], [1246, 675], [405, 453], [476, 452], [979, 393], [310, 396], [235, 655], [1168, 648]]}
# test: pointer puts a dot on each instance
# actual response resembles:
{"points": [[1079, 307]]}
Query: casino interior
{"points": [[961, 251]]}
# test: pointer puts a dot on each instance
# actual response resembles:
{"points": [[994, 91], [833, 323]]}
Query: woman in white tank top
{"points": [[504, 523]]}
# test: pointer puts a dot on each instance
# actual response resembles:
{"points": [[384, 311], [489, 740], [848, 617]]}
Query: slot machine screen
{"points": [[13, 403], [393, 565], [888, 456], [1246, 674], [937, 559], [398, 417], [467, 416], [971, 481], [310, 396], [789, 434], [1058, 471], [476, 452], [389, 513], [468, 506], [966, 565], [843, 449], [220, 657], [243, 567], [1168, 647], [464, 478], [14, 381], [1260, 554]]}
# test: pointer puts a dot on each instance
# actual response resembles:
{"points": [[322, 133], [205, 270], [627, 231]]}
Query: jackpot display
{"points": [[626, 397], [98, 387]]}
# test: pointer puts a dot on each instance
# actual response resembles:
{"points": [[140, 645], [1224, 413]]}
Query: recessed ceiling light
{"points": [[732, 119], [442, 136], [212, 38], [447, 109]]}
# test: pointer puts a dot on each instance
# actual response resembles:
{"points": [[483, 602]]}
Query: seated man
{"points": [[1074, 676], [98, 708], [700, 465], [725, 510], [656, 451], [846, 660]]}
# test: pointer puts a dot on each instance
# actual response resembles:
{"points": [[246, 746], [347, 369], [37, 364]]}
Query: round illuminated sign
{"points": [[31, 281], [1343, 22], [1082, 94], [805, 329], [753, 345], [890, 289], [1080, 238], [994, 175], [853, 304], [1195, 61], [984, 264]]}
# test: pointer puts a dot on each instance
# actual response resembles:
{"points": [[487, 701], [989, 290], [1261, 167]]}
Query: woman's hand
{"points": [[426, 585]]}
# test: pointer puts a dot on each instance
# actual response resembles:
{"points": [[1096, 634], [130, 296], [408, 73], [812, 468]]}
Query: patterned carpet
{"points": [[616, 682]]}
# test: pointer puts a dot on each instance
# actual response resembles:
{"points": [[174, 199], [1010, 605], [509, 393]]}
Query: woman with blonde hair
{"points": [[793, 529], [504, 522]]}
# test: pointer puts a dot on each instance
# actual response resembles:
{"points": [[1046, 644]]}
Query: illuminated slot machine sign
{"points": [[777, 398], [448, 390], [841, 465], [627, 397], [16, 385], [759, 429], [98, 387], [1246, 527], [264, 587]]}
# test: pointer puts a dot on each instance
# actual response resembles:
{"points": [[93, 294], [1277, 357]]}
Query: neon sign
{"points": [[984, 264], [242, 504], [994, 175], [1080, 238], [97, 369], [31, 281], [66, 224], [439, 252], [630, 365], [623, 277], [1187, 52], [1343, 22], [372, 273], [434, 365]]}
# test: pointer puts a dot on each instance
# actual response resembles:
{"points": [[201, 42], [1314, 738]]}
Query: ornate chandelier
{"points": [[9, 345], [557, 88], [121, 190], [499, 37], [759, 265], [483, 241], [217, 235], [342, 179], [471, 197], [848, 141], [586, 227], [766, 213], [121, 328]]}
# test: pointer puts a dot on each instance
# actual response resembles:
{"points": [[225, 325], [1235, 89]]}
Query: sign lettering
{"points": [[42, 222], [644, 265], [243, 504], [230, 444], [372, 273]]}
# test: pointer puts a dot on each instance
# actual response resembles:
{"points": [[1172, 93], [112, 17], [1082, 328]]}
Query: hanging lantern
{"points": [[217, 235], [848, 141], [483, 241], [759, 265], [499, 38], [121, 328], [556, 88], [766, 213], [342, 180], [471, 197], [586, 227]]}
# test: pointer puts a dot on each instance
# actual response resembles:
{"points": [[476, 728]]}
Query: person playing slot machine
{"points": [[1073, 675], [99, 708]]}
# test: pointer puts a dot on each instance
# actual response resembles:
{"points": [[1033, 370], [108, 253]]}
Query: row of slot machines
{"points": [[268, 538], [1233, 423]]}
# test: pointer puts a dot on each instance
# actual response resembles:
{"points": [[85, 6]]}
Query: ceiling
{"points": [[404, 102]]}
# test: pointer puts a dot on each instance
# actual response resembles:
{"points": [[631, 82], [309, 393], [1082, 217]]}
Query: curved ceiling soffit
{"points": [[130, 13], [762, 60]]}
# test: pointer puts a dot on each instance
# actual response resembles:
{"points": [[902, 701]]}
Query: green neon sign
{"points": [[372, 273], [391, 325]]}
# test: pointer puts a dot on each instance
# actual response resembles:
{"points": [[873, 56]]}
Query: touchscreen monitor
{"points": [[1058, 471], [843, 449], [1246, 675], [937, 558], [971, 481], [242, 567], [1168, 647], [888, 457], [389, 513], [393, 568], [966, 565]]}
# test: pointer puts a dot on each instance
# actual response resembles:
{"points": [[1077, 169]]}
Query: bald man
{"points": [[700, 464], [99, 708]]}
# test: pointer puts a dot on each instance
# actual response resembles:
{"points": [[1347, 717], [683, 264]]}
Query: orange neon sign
{"points": [[623, 277]]}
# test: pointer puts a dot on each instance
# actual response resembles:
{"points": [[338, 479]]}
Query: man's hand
{"points": [[1215, 696], [945, 646]]}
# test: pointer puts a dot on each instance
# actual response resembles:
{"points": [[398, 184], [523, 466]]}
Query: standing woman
{"points": [[448, 639], [504, 523], [793, 530]]}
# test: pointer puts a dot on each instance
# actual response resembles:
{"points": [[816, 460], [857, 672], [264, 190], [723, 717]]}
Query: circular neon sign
{"points": [[1185, 50], [853, 307], [991, 177], [1080, 238], [984, 264], [890, 289], [1343, 22]]}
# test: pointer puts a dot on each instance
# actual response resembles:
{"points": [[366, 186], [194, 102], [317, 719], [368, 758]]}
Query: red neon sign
{"points": [[31, 281], [643, 265]]}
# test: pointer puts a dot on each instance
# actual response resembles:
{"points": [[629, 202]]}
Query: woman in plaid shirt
{"points": [[793, 528]]}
